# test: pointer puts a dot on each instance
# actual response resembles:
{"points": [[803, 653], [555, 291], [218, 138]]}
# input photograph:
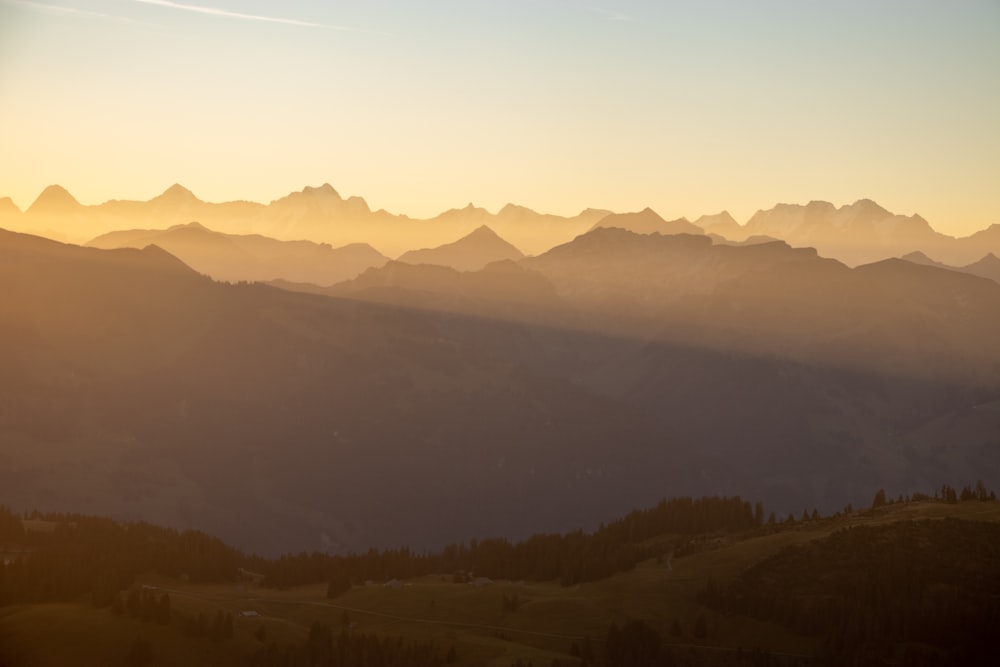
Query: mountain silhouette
{"points": [[8, 207], [626, 271], [987, 267], [722, 224], [471, 252], [55, 200], [236, 257], [856, 234], [176, 195], [134, 385], [648, 221], [502, 289]]}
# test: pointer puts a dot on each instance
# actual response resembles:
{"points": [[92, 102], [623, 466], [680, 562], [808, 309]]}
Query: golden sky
{"points": [[688, 107]]}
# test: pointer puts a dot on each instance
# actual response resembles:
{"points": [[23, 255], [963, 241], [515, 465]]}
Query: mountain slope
{"points": [[651, 365], [236, 257], [648, 221], [857, 233], [987, 267], [469, 253], [270, 415]]}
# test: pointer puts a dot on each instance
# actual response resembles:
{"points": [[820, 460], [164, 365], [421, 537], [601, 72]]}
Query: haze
{"points": [[512, 333], [688, 107]]}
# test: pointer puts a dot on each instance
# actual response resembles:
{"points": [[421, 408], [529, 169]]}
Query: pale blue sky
{"points": [[689, 107]]}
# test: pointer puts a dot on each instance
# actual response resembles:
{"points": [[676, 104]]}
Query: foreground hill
{"points": [[808, 591], [234, 257], [520, 398]]}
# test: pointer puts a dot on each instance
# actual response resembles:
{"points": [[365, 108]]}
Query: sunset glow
{"points": [[687, 107]]}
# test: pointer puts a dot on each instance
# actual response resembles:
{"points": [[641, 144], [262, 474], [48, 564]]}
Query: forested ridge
{"points": [[913, 592], [76, 555], [909, 592]]}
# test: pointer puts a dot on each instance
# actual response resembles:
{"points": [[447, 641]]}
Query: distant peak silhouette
{"points": [[54, 198]]}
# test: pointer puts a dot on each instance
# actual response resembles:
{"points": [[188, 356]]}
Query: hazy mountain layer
{"points": [[857, 233], [987, 267], [427, 405], [469, 253], [318, 214], [235, 257], [648, 221]]}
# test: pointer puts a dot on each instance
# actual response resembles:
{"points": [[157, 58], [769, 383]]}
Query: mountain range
{"points": [[539, 394], [857, 233], [470, 253], [987, 267], [235, 257], [318, 214]]}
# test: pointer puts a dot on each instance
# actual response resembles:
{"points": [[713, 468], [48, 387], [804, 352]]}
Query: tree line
{"points": [[79, 555], [911, 592], [65, 557], [569, 558]]}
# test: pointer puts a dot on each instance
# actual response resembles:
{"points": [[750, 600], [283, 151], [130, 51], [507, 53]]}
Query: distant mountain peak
{"points": [[482, 231], [176, 194], [514, 209], [54, 197], [194, 224], [7, 205], [918, 257], [326, 190], [469, 253], [648, 221], [869, 206], [989, 259]]}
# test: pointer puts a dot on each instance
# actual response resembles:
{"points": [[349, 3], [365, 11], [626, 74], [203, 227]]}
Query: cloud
{"points": [[60, 9], [225, 13]]}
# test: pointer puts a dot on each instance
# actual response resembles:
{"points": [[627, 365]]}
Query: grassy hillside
{"points": [[548, 620]]}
